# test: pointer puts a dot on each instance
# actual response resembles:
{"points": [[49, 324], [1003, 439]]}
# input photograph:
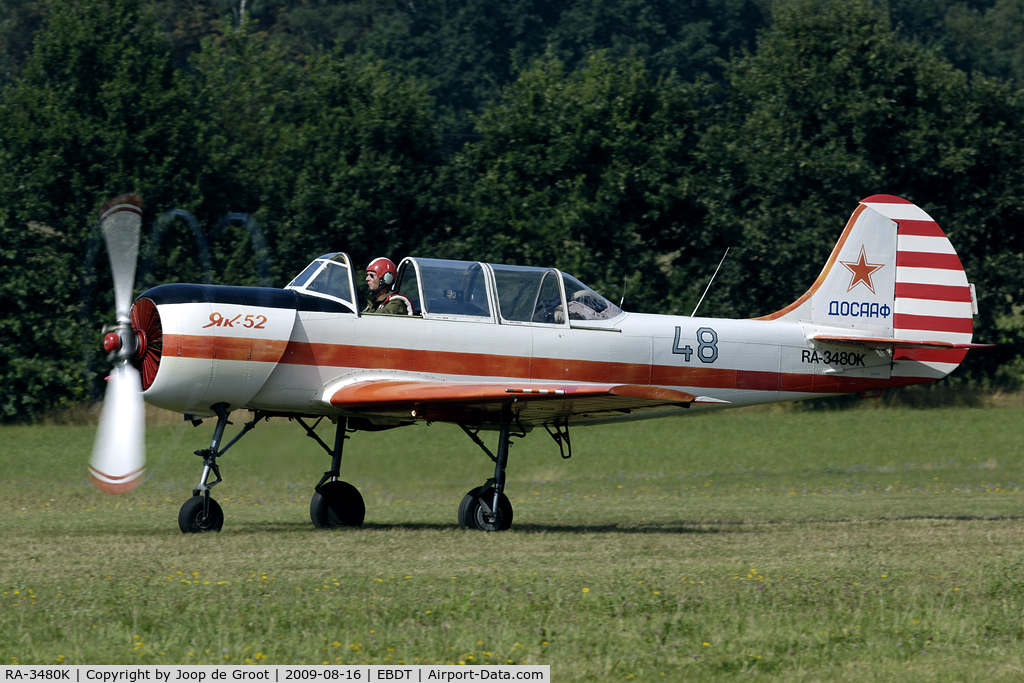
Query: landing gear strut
{"points": [[201, 513], [335, 503], [486, 507]]}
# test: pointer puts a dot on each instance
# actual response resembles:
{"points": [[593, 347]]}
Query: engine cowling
{"points": [[200, 345]]}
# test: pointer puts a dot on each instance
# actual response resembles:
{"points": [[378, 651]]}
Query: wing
{"points": [[533, 404]]}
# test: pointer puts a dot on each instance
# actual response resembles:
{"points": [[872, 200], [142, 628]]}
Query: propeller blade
{"points": [[119, 456], [121, 223]]}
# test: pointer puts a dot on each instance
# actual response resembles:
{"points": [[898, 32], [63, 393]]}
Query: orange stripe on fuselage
{"points": [[521, 367], [223, 348]]}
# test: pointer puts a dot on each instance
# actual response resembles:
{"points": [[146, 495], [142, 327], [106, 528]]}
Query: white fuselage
{"points": [[296, 360]]}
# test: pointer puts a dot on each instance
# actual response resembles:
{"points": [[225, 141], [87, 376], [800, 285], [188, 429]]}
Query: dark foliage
{"points": [[627, 142]]}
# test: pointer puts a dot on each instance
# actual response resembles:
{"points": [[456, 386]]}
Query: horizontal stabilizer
{"points": [[886, 343]]}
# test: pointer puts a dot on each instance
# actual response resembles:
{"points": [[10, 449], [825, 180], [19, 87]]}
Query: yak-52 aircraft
{"points": [[507, 348]]}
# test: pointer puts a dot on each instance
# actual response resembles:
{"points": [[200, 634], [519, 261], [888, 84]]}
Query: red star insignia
{"points": [[862, 271]]}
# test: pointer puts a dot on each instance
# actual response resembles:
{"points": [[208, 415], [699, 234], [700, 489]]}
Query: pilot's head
{"points": [[380, 275]]}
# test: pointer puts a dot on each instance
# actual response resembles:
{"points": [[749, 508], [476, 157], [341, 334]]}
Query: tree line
{"points": [[620, 165]]}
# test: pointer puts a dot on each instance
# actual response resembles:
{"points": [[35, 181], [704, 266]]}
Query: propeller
{"points": [[118, 456]]}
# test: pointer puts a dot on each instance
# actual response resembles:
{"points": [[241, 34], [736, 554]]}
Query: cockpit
{"points": [[468, 290]]}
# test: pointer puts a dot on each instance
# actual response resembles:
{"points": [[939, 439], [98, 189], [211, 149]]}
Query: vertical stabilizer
{"points": [[893, 274], [856, 288]]}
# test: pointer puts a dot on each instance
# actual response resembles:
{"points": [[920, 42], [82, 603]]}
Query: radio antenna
{"points": [[623, 299], [709, 282]]}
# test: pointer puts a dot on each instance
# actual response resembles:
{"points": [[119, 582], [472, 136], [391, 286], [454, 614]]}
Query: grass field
{"points": [[849, 546]]}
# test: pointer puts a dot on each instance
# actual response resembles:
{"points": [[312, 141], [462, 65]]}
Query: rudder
{"points": [[933, 300]]}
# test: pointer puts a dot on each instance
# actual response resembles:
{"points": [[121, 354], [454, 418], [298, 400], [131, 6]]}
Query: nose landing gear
{"points": [[201, 513]]}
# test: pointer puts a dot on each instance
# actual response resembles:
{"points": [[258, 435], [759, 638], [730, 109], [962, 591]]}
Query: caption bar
{"points": [[538, 673]]}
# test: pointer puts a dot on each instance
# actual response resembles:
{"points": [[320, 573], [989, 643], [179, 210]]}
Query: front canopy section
{"points": [[328, 277]]}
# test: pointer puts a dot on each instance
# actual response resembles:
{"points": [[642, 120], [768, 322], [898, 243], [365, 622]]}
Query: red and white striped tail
{"points": [[933, 300]]}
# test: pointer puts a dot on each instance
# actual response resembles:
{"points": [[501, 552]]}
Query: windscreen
{"points": [[332, 281], [304, 276]]}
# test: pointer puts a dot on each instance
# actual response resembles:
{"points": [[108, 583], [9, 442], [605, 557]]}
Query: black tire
{"points": [[471, 513], [335, 504], [192, 520]]}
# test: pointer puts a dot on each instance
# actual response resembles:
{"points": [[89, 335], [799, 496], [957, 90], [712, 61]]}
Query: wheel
{"points": [[472, 516], [337, 503], [192, 520]]}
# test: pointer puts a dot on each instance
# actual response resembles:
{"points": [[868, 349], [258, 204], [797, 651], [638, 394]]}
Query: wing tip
{"points": [[653, 393]]}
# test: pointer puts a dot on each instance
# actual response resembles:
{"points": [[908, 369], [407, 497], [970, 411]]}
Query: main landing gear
{"points": [[486, 507], [335, 503]]}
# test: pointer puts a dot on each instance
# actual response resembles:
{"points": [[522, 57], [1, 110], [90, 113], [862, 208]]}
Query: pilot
{"points": [[380, 276]]}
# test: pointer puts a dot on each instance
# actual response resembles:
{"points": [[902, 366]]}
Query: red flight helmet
{"points": [[384, 269]]}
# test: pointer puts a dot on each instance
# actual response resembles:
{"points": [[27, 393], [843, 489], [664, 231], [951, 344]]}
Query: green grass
{"points": [[854, 545]]}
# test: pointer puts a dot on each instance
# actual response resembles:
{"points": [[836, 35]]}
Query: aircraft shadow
{"points": [[953, 518], [609, 528], [674, 528], [679, 527]]}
